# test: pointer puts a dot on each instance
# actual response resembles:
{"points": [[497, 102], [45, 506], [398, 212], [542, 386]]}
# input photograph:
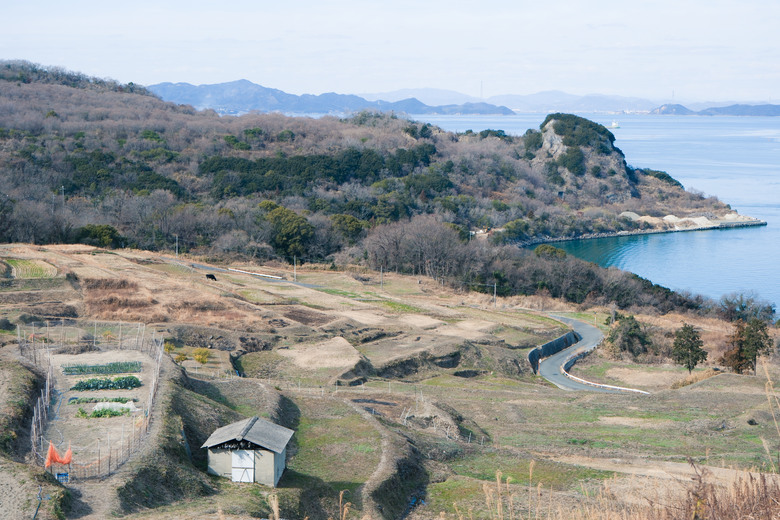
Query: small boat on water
{"points": [[614, 125]]}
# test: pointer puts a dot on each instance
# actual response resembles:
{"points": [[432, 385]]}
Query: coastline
{"points": [[719, 224]]}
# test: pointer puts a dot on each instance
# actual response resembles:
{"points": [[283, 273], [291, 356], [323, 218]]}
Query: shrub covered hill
{"points": [[88, 160]]}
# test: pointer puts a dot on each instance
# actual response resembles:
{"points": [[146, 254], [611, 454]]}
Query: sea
{"points": [[736, 159]]}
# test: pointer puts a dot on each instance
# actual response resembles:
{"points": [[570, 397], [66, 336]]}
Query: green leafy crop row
{"points": [[118, 383]]}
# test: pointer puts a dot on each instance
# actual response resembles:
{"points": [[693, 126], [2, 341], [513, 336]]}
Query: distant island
{"points": [[243, 96], [731, 110]]}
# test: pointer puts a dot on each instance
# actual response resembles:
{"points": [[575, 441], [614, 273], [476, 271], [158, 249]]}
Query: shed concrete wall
{"points": [[264, 467], [280, 463], [220, 462], [269, 466]]}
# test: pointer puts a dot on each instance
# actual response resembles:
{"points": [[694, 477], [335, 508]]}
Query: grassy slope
{"points": [[19, 482]]}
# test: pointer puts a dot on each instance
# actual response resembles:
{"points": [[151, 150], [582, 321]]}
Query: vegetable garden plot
{"points": [[118, 367]]}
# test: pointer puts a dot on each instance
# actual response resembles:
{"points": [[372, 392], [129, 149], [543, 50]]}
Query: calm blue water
{"points": [[736, 159]]}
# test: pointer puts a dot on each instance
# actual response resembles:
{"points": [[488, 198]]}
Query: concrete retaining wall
{"points": [[551, 347]]}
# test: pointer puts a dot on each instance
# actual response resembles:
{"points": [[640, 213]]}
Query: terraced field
{"points": [[30, 269], [405, 396]]}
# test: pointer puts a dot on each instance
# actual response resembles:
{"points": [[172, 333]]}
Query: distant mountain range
{"points": [[548, 101], [731, 110], [240, 97]]}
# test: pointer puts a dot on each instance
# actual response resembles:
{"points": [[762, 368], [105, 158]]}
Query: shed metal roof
{"points": [[255, 430]]}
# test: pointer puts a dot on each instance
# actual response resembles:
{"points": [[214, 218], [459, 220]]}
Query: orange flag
{"points": [[51, 454], [52, 457], [68, 456]]}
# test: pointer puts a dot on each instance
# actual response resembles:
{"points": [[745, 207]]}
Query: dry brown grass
{"points": [[749, 496], [93, 284], [695, 377], [110, 297]]}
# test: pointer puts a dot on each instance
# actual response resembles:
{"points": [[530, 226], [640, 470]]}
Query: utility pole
{"points": [[495, 302], [295, 268], [177, 246]]}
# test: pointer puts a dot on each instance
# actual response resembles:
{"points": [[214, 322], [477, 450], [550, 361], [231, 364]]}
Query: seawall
{"points": [[588, 236]]}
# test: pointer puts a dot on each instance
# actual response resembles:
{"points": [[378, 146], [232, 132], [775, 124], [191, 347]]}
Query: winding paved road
{"points": [[550, 368]]}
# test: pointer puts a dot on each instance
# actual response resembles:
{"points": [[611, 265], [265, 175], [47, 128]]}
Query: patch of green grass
{"points": [[401, 307], [32, 284], [591, 318], [335, 445], [596, 372], [314, 306], [483, 382], [466, 493], [30, 269], [339, 292], [257, 296], [516, 336], [555, 475], [263, 364]]}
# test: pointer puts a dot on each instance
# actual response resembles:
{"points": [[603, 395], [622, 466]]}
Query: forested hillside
{"points": [[97, 162]]}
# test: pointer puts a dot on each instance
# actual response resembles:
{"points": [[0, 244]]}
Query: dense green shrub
{"points": [[533, 140], [235, 144], [159, 154], [628, 336], [548, 251], [661, 176], [495, 133], [513, 231], [97, 172], [573, 160], [553, 175], [291, 232], [427, 183], [292, 175], [578, 131], [151, 135], [101, 235]]}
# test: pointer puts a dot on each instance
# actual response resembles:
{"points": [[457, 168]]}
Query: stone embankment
{"points": [[667, 224]]}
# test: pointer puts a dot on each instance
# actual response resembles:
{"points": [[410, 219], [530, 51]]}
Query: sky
{"points": [[665, 50]]}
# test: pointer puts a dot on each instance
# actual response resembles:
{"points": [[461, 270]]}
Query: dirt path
{"points": [[383, 470], [94, 499]]}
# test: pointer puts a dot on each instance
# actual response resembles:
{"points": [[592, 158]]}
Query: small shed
{"points": [[252, 450]]}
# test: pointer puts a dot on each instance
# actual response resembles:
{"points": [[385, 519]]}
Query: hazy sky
{"points": [[700, 50]]}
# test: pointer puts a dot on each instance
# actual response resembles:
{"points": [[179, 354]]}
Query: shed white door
{"points": [[243, 465]]}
